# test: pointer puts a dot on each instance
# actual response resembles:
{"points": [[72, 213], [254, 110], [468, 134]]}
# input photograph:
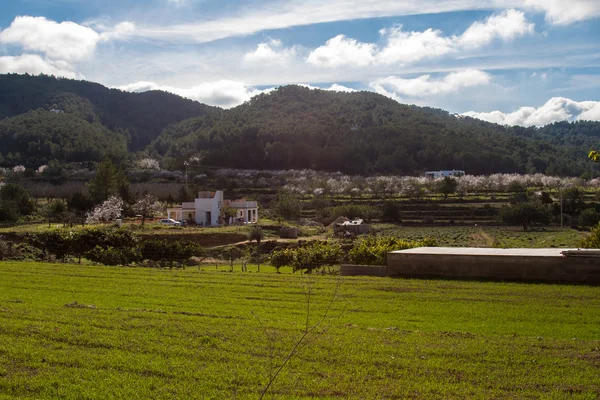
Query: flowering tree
{"points": [[147, 206], [109, 210], [18, 169], [148, 163]]}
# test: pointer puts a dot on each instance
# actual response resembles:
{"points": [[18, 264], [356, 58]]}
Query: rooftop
{"points": [[477, 251]]}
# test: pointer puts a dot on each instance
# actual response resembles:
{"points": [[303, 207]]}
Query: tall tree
{"points": [[104, 183]]}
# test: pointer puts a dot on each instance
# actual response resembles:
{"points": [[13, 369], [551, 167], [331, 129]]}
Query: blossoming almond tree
{"points": [[107, 211]]}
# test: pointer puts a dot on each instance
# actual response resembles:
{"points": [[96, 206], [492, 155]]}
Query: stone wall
{"points": [[362, 270], [582, 270]]}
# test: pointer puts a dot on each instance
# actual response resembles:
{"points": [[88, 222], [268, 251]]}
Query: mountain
{"points": [[364, 132], [44, 118], [138, 118]]}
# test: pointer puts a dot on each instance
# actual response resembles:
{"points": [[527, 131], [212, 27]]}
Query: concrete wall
{"points": [[584, 270], [362, 270]]}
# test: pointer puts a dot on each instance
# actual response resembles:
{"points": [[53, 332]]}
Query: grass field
{"points": [[488, 236], [74, 332]]}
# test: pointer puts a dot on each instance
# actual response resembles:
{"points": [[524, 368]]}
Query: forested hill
{"points": [[138, 118], [44, 118], [363, 132]]}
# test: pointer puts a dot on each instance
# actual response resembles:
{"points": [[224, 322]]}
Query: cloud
{"points": [[270, 52], [66, 40], [343, 51], [34, 64], [63, 41], [426, 86], [556, 109], [224, 93], [334, 88], [507, 26], [564, 12], [409, 47], [340, 88], [289, 13]]}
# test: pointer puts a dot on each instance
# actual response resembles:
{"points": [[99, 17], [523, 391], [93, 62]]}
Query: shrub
{"points": [[373, 250], [308, 257], [112, 256], [170, 252], [589, 217], [526, 214], [288, 206], [281, 258], [592, 241], [390, 212]]}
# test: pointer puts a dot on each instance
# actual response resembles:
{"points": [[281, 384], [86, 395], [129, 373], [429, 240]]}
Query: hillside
{"points": [[137, 117], [44, 118], [363, 132]]}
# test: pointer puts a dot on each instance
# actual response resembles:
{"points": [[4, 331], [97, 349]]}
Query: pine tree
{"points": [[104, 182]]}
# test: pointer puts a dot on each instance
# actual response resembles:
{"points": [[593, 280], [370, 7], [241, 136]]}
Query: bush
{"points": [[281, 258], [592, 241], [112, 256], [390, 212], [170, 252], [526, 214], [373, 250], [515, 187], [288, 206], [308, 257], [589, 217]]}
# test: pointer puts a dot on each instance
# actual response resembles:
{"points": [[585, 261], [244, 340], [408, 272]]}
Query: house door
{"points": [[208, 220], [249, 219]]}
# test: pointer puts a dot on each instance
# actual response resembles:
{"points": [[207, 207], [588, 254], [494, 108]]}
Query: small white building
{"points": [[247, 210], [207, 210], [444, 173]]}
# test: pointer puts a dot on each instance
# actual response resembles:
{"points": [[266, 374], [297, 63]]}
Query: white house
{"points": [[247, 211], [207, 210], [444, 173]]}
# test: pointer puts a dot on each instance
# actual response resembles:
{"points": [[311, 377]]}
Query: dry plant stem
{"points": [[308, 329]]}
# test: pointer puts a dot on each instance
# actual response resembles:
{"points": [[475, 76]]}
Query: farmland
{"points": [[68, 331]]}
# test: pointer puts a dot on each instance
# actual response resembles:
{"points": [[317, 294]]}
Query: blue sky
{"points": [[526, 62]]}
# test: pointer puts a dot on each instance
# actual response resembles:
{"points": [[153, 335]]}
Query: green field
{"points": [[486, 236], [82, 332]]}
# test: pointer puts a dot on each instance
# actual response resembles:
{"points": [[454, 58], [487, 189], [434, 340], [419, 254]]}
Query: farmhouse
{"points": [[444, 173], [208, 210]]}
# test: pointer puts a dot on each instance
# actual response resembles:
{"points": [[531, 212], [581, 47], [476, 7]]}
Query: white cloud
{"points": [[409, 47], [66, 40], [506, 26], [342, 51], [270, 52], [120, 31], [556, 109], [425, 86], [224, 93], [564, 12], [340, 88], [334, 88], [288, 13], [34, 64], [63, 41]]}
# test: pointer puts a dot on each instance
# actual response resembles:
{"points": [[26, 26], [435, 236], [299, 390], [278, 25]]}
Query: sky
{"points": [[515, 62]]}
